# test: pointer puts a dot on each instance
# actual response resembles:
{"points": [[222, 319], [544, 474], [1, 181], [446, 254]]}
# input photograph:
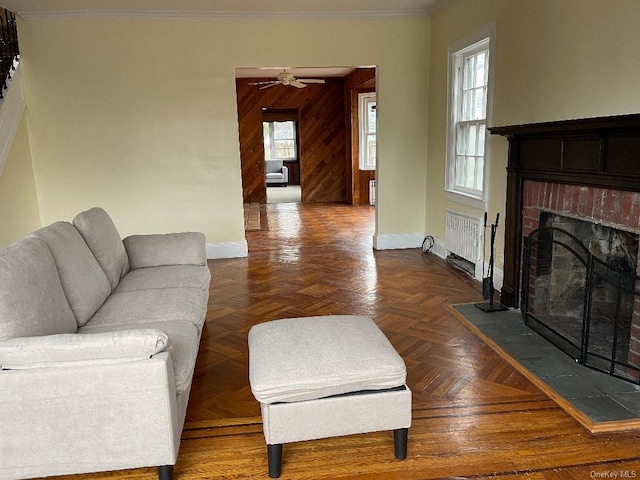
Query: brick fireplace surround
{"points": [[587, 169]]}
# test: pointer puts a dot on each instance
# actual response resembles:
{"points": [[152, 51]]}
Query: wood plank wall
{"points": [[323, 152], [361, 80]]}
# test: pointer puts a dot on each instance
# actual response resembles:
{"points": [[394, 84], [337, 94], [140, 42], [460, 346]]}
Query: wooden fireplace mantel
{"points": [[599, 152]]}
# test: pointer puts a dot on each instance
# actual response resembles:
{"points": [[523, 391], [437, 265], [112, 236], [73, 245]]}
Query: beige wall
{"points": [[555, 60], [139, 116], [18, 200]]}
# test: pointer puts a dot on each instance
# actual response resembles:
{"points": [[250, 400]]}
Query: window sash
{"points": [[469, 119], [367, 125], [280, 140]]}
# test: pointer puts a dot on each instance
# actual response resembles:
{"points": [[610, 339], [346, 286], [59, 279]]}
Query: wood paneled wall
{"points": [[360, 80], [323, 152]]}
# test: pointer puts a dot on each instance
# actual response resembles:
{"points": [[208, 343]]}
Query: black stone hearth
{"points": [[606, 401]]}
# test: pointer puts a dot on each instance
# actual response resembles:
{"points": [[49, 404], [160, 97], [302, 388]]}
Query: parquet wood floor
{"points": [[251, 216], [474, 416]]}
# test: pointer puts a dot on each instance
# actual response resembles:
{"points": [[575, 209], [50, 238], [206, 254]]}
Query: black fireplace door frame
{"points": [[538, 247]]}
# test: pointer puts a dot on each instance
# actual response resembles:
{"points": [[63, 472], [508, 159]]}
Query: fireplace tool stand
{"points": [[487, 282]]}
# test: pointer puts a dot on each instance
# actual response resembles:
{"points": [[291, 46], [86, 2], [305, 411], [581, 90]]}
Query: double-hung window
{"points": [[279, 140], [469, 110], [367, 126]]}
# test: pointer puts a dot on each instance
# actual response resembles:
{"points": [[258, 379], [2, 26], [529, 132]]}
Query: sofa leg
{"points": [[400, 438], [274, 457], [165, 472]]}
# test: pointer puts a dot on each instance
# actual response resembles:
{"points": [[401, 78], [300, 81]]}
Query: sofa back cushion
{"points": [[161, 249], [274, 166], [32, 301], [84, 282], [102, 237]]}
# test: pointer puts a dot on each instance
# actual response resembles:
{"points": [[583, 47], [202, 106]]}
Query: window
{"points": [[367, 125], [280, 140], [469, 113]]}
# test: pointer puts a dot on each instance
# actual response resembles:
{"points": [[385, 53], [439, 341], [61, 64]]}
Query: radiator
{"points": [[372, 192], [462, 236]]}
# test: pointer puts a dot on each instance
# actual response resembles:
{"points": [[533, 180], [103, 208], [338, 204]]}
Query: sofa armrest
{"points": [[76, 348], [285, 174], [88, 417], [187, 248]]}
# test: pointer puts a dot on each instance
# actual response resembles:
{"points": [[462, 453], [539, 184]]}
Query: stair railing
{"points": [[9, 50]]}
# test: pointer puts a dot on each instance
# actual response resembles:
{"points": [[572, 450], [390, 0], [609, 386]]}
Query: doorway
{"points": [[281, 144], [328, 151]]}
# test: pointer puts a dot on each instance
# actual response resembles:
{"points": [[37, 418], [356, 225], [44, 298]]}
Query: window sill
{"points": [[467, 200]]}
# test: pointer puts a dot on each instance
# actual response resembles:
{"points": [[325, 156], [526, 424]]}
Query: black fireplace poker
{"points": [[487, 282]]}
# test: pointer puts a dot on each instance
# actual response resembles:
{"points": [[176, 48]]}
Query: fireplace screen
{"points": [[581, 292]]}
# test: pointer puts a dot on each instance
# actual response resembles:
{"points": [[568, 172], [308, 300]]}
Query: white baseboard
{"points": [[396, 241], [227, 250], [439, 249]]}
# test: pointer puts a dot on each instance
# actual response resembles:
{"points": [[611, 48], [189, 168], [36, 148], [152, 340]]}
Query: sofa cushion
{"points": [[315, 357], [185, 248], [184, 341], [84, 282], [70, 348], [32, 301], [170, 276], [102, 237], [273, 166], [140, 307]]}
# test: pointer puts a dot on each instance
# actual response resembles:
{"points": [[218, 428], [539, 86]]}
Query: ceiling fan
{"points": [[287, 78]]}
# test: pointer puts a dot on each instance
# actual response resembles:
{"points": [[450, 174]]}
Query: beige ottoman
{"points": [[319, 377]]}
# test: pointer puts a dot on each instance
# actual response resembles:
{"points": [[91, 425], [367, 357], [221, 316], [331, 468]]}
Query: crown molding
{"points": [[212, 15]]}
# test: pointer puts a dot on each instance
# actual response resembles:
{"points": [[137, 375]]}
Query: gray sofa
{"points": [[98, 343]]}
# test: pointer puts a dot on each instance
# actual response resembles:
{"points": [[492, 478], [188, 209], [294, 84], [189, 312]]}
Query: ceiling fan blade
{"points": [[262, 83], [271, 84], [310, 80], [297, 84]]}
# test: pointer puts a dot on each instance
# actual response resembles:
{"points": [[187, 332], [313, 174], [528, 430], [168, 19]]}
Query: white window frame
{"points": [[364, 99], [272, 144], [456, 52]]}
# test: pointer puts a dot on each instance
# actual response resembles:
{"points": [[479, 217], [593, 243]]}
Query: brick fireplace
{"points": [[585, 170]]}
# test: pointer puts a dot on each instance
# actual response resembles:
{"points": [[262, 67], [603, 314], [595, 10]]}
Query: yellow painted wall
{"points": [[139, 116], [555, 60], [19, 213]]}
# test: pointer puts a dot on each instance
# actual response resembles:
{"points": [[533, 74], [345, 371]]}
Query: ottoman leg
{"points": [[400, 437], [165, 472], [274, 457]]}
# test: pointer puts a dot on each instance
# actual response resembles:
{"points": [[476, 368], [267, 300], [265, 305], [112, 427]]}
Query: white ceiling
{"points": [[44, 9]]}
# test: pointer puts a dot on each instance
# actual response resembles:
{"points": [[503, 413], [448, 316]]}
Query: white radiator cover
{"points": [[462, 236], [372, 192]]}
